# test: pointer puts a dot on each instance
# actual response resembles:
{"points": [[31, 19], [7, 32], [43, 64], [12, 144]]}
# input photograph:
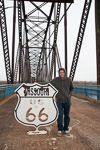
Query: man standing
{"points": [[63, 99]]}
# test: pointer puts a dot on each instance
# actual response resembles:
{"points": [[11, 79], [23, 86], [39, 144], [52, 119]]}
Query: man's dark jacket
{"points": [[65, 89]]}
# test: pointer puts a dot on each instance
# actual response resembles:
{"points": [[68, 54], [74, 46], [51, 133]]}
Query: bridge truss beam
{"points": [[37, 56], [79, 41], [97, 20], [4, 36], [35, 47]]}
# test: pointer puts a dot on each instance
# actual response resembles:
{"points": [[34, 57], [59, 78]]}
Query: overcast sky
{"points": [[86, 68]]}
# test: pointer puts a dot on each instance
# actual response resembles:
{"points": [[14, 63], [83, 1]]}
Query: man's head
{"points": [[62, 73]]}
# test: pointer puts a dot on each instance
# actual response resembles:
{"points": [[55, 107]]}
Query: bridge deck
{"points": [[85, 133]]}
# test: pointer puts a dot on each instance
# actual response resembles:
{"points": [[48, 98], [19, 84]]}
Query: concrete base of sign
{"points": [[36, 132]]}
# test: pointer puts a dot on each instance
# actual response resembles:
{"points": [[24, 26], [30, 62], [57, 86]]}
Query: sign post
{"points": [[36, 106]]}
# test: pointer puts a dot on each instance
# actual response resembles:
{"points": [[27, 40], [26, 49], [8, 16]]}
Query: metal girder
{"points": [[27, 76], [80, 37], [56, 1], [35, 45], [13, 41], [97, 20], [57, 23], [44, 40], [55, 41], [34, 10], [16, 66], [49, 18], [65, 32], [5, 41], [20, 41], [36, 41], [38, 34]]}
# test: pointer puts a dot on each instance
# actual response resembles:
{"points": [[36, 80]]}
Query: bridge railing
{"points": [[7, 90], [88, 91]]}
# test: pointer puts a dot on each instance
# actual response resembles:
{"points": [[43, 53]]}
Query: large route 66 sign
{"points": [[36, 105]]}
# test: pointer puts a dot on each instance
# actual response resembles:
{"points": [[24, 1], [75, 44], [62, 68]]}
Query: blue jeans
{"points": [[64, 108]]}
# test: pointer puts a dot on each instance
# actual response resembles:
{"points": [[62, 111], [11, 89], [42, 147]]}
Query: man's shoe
{"points": [[68, 131], [59, 133]]}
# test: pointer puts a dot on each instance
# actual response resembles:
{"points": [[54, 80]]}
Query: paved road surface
{"points": [[85, 133]]}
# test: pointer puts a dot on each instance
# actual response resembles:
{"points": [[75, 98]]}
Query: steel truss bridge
{"points": [[37, 56]]}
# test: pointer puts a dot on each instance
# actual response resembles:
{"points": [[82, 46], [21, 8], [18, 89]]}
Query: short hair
{"points": [[62, 69]]}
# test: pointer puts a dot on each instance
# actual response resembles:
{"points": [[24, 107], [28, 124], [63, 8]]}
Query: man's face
{"points": [[62, 73]]}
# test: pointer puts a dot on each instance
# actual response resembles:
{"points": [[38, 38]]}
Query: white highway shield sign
{"points": [[36, 105]]}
